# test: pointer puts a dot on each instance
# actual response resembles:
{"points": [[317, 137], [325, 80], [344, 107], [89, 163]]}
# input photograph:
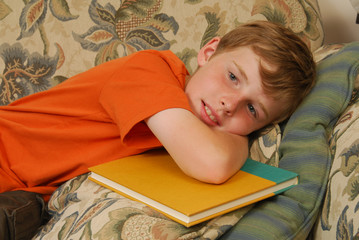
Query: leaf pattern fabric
{"points": [[77, 35]]}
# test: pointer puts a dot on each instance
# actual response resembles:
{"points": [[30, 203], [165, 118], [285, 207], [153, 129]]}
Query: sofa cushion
{"points": [[339, 218]]}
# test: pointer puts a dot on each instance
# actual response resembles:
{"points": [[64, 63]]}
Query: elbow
{"points": [[217, 178], [219, 170], [225, 166], [214, 176], [219, 174]]}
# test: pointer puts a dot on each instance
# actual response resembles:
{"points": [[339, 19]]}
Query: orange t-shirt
{"points": [[93, 117]]}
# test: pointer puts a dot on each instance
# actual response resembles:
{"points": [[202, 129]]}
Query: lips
{"points": [[208, 115]]}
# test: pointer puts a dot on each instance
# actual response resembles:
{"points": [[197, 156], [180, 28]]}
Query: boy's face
{"points": [[226, 91]]}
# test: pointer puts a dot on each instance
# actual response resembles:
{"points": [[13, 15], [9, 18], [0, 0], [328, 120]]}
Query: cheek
{"points": [[241, 125], [204, 89]]}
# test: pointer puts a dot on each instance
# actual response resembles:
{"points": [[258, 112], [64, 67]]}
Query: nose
{"points": [[230, 104]]}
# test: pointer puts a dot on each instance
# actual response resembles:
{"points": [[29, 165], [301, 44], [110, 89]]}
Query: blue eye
{"points": [[252, 110], [233, 77]]}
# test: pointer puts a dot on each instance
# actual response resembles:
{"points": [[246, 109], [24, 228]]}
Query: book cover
{"points": [[154, 179]]}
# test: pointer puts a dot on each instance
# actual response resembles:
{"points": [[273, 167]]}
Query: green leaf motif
{"points": [[77, 182], [212, 28], [59, 79], [138, 8], [135, 25], [272, 12], [186, 56], [60, 9], [69, 221], [152, 38], [66, 194], [350, 159], [87, 233], [352, 188], [4, 10], [164, 23], [106, 16], [311, 30], [102, 15], [344, 228]]}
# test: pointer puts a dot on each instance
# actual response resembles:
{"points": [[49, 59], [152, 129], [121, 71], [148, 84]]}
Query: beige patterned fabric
{"points": [[45, 42], [82, 209], [264, 148]]}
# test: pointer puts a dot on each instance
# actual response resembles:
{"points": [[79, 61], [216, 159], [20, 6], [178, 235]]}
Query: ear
{"points": [[207, 51]]}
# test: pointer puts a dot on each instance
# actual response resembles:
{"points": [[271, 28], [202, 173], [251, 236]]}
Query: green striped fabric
{"points": [[304, 149]]}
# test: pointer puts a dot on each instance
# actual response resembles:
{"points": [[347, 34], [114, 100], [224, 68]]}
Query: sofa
{"points": [[44, 42]]}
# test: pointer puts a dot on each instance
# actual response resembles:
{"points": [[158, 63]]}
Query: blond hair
{"points": [[293, 70]]}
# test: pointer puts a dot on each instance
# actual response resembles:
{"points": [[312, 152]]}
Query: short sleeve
{"points": [[147, 83]]}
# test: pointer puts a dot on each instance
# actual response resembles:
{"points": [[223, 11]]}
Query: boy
{"points": [[253, 76]]}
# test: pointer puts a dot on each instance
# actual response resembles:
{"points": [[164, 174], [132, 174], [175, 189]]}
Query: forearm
{"points": [[201, 152], [215, 157]]}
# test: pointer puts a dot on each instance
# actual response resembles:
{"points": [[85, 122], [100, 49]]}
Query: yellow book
{"points": [[154, 179]]}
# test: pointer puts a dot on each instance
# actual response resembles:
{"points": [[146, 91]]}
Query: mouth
{"points": [[209, 113], [209, 116]]}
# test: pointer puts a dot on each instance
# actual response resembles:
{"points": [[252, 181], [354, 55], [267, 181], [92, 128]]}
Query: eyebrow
{"points": [[241, 71], [245, 78]]}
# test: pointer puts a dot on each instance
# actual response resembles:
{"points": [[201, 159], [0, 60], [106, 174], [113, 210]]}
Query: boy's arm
{"points": [[202, 152]]}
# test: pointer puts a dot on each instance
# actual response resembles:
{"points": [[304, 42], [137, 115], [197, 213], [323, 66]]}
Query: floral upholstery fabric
{"points": [[81, 208], [48, 41]]}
